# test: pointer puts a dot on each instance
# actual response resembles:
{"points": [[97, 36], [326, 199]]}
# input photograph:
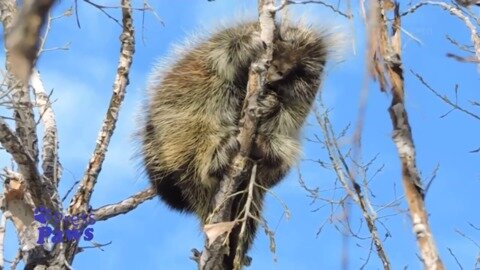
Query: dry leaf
{"points": [[213, 231]]}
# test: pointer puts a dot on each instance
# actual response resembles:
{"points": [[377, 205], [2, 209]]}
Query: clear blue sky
{"points": [[154, 237]]}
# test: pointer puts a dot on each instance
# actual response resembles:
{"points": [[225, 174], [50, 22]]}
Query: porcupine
{"points": [[194, 106]]}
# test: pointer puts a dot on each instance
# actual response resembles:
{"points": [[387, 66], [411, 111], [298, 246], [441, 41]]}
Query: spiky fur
{"points": [[194, 107]]}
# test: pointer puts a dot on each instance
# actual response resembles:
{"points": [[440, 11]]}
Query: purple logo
{"points": [[75, 226]]}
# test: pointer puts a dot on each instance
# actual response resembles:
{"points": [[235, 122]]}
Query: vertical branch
{"points": [[240, 251], [23, 143], [21, 34], [240, 169], [22, 105], [23, 37], [50, 165], [390, 49], [347, 178], [81, 200], [3, 223]]}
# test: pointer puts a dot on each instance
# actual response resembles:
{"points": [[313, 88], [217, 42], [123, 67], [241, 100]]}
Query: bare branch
{"points": [[468, 238], [14, 146], [212, 256], [455, 257], [94, 246], [473, 226], [42, 192], [349, 183], [239, 257], [125, 206], [21, 102], [23, 36], [462, 47], [51, 165], [469, 59], [18, 206], [467, 3], [43, 39], [444, 98], [334, 9], [3, 223], [103, 8], [17, 259], [81, 200], [26, 189], [459, 14], [402, 133], [70, 190]]}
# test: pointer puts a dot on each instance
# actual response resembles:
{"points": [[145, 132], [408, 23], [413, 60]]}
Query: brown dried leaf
{"points": [[213, 231]]}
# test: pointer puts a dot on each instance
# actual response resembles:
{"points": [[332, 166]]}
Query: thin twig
{"points": [[444, 98], [456, 259], [454, 10], [353, 189], [334, 9]]}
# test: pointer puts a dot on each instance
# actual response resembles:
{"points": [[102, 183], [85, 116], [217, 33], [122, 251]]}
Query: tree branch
{"points": [[454, 10], [351, 186], [42, 193], [125, 206], [81, 200], [249, 204], [23, 37], [212, 256], [390, 50], [21, 102], [51, 165], [3, 223], [445, 99]]}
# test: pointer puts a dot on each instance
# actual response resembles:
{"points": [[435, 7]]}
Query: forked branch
{"points": [[81, 200]]}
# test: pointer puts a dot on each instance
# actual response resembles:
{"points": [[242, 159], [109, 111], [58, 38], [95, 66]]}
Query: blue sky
{"points": [[154, 237]]}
